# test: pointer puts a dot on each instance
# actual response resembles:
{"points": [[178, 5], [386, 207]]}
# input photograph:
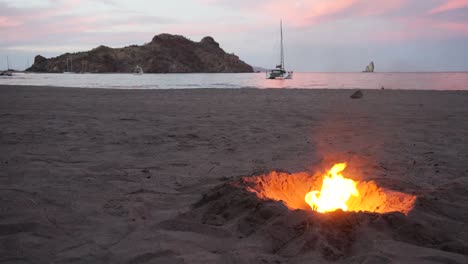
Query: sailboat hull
{"points": [[273, 75], [6, 73]]}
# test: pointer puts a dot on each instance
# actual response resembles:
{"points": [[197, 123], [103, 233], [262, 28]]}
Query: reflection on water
{"points": [[413, 81]]}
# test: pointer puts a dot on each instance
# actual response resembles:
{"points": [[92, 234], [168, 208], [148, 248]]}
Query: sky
{"points": [[319, 35]]}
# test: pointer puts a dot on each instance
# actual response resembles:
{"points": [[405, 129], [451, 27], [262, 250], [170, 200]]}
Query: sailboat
{"points": [[370, 67], [84, 66], [8, 72], [138, 70], [69, 70], [280, 72]]}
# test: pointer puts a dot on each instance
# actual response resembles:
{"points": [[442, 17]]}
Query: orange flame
{"points": [[336, 191]]}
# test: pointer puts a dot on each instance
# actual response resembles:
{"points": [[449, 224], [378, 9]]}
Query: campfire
{"points": [[329, 213], [329, 192]]}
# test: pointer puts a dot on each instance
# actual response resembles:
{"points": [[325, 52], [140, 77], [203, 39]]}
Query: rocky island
{"points": [[166, 53]]}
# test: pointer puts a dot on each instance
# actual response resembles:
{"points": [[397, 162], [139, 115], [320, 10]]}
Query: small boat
{"points": [[280, 73], [84, 66], [69, 69], [138, 70], [370, 67], [6, 73]]}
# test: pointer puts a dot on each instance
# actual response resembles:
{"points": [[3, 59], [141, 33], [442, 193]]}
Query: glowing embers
{"points": [[329, 192]]}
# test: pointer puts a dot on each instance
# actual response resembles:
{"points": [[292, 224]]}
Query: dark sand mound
{"points": [[268, 228]]}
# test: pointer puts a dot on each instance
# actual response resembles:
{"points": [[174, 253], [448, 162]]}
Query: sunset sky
{"points": [[320, 35]]}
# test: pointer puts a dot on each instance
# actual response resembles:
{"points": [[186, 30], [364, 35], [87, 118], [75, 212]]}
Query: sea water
{"points": [[408, 81]]}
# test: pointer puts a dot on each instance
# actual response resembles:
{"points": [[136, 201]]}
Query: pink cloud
{"points": [[398, 19], [374, 8], [59, 24], [431, 25], [411, 28], [303, 13], [6, 22], [402, 25], [461, 28], [28, 28], [450, 5], [205, 29]]}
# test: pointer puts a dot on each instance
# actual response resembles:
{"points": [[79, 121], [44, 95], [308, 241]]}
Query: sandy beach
{"points": [[126, 176]]}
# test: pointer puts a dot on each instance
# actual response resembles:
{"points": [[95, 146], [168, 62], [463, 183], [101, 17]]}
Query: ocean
{"points": [[406, 81]]}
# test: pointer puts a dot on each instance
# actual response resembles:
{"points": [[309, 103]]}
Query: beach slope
{"points": [[112, 176]]}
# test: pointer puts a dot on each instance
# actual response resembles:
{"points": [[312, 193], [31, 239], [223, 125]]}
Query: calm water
{"points": [[413, 81]]}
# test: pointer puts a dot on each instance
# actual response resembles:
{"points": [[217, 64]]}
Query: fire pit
{"points": [[304, 216], [328, 192]]}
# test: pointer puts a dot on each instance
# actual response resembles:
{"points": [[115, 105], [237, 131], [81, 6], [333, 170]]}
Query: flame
{"points": [[336, 191]]}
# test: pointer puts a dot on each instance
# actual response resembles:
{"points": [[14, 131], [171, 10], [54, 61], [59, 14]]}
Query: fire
{"points": [[336, 191]]}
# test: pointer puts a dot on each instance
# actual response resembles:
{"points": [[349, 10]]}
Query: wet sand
{"points": [[96, 175]]}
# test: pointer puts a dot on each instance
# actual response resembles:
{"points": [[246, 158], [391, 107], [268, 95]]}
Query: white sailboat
{"points": [[280, 72], [8, 72], [370, 67], [69, 70], [138, 70]]}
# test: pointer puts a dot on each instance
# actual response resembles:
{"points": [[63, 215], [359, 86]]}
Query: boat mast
{"points": [[8, 63], [282, 51]]}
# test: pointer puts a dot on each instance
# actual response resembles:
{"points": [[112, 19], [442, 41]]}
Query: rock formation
{"points": [[357, 95], [166, 53]]}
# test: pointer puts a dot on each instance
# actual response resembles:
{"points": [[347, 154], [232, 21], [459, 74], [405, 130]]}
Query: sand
{"points": [[146, 176]]}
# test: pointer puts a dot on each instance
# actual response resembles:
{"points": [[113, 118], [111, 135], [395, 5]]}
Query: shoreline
{"points": [[460, 71], [389, 81], [217, 89]]}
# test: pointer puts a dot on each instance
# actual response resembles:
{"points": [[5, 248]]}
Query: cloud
{"points": [[60, 22], [449, 6], [302, 13], [56, 26], [7, 22]]}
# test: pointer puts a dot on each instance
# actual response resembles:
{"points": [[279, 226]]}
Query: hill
{"points": [[165, 53]]}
